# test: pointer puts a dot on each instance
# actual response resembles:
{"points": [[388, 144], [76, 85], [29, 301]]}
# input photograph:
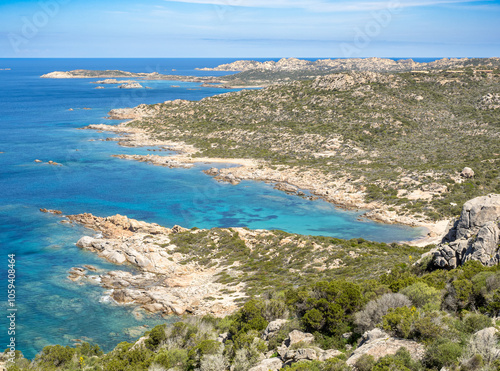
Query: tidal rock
{"points": [[75, 274], [285, 187], [85, 242], [131, 85], [56, 212], [213, 171]]}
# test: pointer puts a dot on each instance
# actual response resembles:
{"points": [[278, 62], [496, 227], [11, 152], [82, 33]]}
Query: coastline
{"points": [[181, 271], [340, 192]]}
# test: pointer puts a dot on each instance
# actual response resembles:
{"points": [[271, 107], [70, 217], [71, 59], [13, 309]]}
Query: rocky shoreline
{"points": [[166, 283], [339, 191], [111, 75]]}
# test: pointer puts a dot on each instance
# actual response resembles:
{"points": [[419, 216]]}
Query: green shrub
{"points": [[365, 363], [172, 358], [423, 296], [155, 337], [371, 316], [400, 361], [205, 347], [474, 322], [400, 321], [55, 356], [442, 353]]}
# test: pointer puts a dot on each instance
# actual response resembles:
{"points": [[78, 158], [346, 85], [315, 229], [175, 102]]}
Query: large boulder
{"points": [[272, 364], [273, 327], [476, 213], [378, 344], [475, 236], [297, 336], [485, 248]]}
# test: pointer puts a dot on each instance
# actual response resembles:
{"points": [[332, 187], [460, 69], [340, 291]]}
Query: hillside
{"points": [[382, 139]]}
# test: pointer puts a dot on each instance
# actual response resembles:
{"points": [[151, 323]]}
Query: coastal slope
{"points": [[411, 147]]}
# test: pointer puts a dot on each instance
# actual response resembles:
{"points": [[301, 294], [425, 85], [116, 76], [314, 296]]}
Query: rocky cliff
{"points": [[474, 236]]}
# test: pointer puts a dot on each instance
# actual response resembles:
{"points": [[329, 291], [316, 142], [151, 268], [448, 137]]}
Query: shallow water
{"points": [[35, 123]]}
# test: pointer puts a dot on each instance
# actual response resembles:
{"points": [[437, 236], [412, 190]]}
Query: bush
{"points": [[485, 344], [172, 358], [371, 316], [55, 356], [400, 361], [213, 362], [313, 319], [442, 353], [204, 348], [429, 326], [400, 321], [474, 322], [326, 306], [423, 296], [365, 363], [472, 364], [155, 337]]}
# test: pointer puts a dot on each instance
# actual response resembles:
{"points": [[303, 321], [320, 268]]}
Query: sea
{"points": [[40, 120]]}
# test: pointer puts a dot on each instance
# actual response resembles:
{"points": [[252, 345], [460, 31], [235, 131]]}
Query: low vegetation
{"points": [[444, 310], [393, 135]]}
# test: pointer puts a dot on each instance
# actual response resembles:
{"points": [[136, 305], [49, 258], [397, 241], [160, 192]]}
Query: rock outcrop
{"points": [[298, 347], [165, 283], [131, 85], [378, 344], [489, 102], [272, 364], [273, 328], [141, 110], [345, 81], [467, 172], [474, 236]]}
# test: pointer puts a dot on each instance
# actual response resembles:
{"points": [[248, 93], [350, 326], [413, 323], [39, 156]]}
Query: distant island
{"points": [[259, 74]]}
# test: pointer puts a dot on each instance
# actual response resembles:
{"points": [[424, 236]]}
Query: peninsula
{"points": [[410, 147]]}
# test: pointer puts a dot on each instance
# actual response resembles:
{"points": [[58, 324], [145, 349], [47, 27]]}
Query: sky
{"points": [[249, 28]]}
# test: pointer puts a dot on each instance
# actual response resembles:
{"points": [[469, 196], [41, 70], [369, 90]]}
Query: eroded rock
{"points": [[378, 344], [475, 236]]}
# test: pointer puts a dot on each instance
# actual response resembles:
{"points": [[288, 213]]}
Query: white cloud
{"points": [[324, 5]]}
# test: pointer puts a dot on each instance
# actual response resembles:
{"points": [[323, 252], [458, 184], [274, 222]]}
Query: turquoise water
{"points": [[35, 123]]}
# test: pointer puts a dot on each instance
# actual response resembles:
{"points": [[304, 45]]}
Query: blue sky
{"points": [[249, 28]]}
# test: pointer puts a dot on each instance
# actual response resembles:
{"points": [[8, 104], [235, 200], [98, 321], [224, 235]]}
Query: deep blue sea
{"points": [[36, 123]]}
